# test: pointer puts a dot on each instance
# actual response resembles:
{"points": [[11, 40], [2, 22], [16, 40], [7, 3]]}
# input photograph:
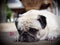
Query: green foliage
{"points": [[8, 12]]}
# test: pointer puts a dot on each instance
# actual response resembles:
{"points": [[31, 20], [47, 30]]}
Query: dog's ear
{"points": [[42, 20]]}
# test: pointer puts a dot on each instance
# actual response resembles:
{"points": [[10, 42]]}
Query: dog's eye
{"points": [[33, 30]]}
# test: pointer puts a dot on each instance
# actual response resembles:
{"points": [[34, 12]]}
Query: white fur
{"points": [[51, 31]]}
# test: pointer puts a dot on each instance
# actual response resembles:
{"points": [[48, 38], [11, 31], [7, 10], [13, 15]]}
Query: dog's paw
{"points": [[52, 36]]}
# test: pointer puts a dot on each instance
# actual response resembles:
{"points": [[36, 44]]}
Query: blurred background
{"points": [[10, 10]]}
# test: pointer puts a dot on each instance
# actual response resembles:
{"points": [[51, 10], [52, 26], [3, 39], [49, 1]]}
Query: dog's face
{"points": [[29, 28]]}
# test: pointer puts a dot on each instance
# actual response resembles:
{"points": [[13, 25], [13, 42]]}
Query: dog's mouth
{"points": [[27, 37]]}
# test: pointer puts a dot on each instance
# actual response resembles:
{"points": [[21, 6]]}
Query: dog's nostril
{"points": [[25, 33]]}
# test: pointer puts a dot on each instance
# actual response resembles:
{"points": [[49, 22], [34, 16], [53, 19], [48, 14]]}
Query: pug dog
{"points": [[36, 25]]}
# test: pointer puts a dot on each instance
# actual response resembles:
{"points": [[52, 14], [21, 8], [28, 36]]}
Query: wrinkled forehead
{"points": [[36, 25], [25, 24]]}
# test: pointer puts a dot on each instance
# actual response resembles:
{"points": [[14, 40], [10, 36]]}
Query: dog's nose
{"points": [[25, 37], [25, 33]]}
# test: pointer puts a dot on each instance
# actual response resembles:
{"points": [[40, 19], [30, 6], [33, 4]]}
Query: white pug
{"points": [[37, 25]]}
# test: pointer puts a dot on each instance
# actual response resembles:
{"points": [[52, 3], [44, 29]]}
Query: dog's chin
{"points": [[27, 38], [30, 40]]}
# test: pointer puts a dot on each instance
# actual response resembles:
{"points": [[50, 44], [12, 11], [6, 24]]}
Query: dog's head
{"points": [[29, 27]]}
